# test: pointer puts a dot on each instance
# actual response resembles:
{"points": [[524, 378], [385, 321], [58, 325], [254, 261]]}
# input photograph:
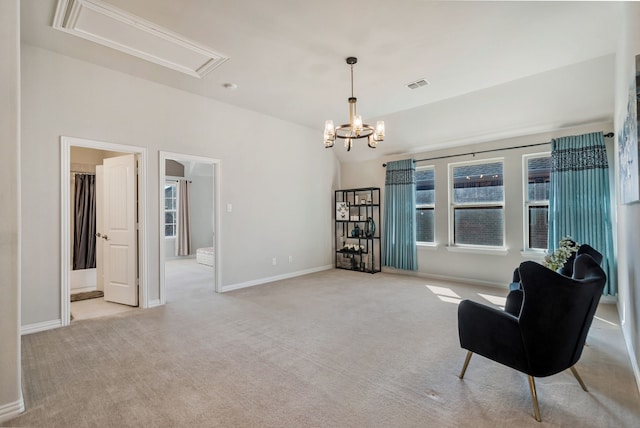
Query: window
{"points": [[477, 203], [170, 199], [425, 205], [537, 170]]}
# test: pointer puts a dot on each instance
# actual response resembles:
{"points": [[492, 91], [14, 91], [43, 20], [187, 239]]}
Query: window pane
{"points": [[425, 225], [478, 183], [538, 227], [425, 193], [170, 193], [538, 170], [479, 226]]}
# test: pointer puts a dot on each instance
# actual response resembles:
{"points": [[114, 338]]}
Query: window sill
{"points": [[499, 251], [427, 245], [533, 255]]}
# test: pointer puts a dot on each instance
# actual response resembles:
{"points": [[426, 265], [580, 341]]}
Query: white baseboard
{"points": [[607, 300], [153, 303], [632, 356], [40, 326], [503, 285], [11, 410], [634, 365], [172, 258], [246, 284]]}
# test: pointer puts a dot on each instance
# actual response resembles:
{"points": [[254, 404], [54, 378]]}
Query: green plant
{"points": [[556, 259]]}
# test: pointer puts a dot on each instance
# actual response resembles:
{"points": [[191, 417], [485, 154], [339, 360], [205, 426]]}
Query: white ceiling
{"points": [[496, 69]]}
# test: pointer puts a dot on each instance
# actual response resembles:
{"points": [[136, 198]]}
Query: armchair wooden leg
{"points": [[534, 396], [466, 363], [575, 373]]}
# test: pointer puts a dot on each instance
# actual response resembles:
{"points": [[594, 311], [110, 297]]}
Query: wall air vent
{"points": [[417, 84], [107, 25]]}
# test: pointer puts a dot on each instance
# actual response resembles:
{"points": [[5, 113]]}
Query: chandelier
{"points": [[355, 129]]}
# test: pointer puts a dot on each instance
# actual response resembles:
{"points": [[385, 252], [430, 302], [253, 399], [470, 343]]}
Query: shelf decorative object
{"points": [[357, 239], [369, 228], [342, 211]]}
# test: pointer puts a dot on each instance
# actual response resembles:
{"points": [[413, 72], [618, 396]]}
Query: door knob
{"points": [[98, 235], [106, 238]]}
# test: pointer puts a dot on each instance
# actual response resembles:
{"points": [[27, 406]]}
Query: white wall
{"points": [[277, 176], [10, 387], [201, 212], [483, 267], [628, 215]]}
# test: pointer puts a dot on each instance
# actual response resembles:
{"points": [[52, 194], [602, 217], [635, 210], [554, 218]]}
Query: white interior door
{"points": [[120, 249], [99, 227]]}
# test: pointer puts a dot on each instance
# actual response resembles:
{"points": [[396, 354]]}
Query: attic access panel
{"points": [[109, 26]]}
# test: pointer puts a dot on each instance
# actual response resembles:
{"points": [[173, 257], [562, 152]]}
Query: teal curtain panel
{"points": [[579, 199], [400, 249]]}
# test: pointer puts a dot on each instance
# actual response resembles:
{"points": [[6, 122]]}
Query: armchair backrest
{"points": [[557, 312], [567, 269], [588, 249]]}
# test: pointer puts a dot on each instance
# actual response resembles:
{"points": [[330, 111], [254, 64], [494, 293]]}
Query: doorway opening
{"points": [[189, 238], [116, 269]]}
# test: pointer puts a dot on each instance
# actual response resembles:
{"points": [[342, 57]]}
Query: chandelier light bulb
{"points": [[379, 130], [329, 130], [357, 124]]}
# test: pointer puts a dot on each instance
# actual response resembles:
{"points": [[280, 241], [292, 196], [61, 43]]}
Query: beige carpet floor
{"points": [[331, 349]]}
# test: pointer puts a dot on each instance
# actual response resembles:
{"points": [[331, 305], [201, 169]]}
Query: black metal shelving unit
{"points": [[357, 229]]}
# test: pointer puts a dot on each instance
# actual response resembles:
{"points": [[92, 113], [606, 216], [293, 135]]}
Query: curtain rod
{"points": [[82, 172], [177, 181], [608, 135]]}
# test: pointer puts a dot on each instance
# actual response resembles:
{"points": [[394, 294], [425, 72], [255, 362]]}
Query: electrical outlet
{"points": [[290, 259], [274, 261]]}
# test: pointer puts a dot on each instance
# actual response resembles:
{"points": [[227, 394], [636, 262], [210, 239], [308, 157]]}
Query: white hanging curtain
{"points": [[183, 228]]}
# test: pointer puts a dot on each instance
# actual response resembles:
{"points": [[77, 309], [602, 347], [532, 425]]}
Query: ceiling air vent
{"points": [[107, 25], [417, 84]]}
